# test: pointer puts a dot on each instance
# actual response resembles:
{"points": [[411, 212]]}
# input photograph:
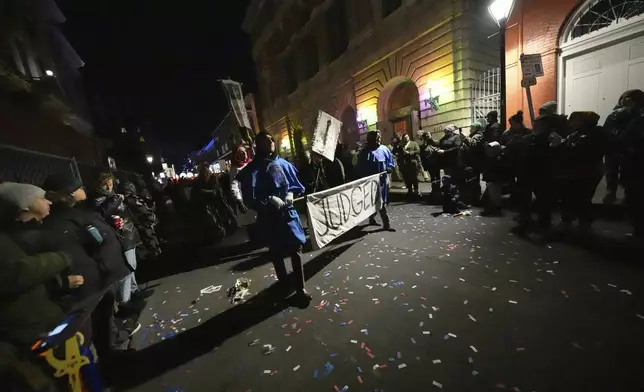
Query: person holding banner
{"points": [[268, 186], [373, 159]]}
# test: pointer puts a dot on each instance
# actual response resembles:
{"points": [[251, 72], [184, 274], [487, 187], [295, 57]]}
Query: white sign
{"points": [[326, 134], [236, 98], [531, 66], [335, 211]]}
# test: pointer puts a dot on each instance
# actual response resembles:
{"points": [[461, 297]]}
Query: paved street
{"points": [[457, 304]]}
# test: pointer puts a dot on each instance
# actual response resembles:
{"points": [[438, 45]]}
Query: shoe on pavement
{"points": [[389, 229]]}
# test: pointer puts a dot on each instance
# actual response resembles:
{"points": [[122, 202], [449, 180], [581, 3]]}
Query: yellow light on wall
{"points": [[368, 114], [285, 144]]}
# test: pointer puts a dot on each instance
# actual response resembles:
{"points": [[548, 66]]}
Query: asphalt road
{"points": [[457, 304]]}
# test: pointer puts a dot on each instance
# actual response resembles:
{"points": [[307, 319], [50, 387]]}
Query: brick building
{"points": [[394, 65], [592, 50]]}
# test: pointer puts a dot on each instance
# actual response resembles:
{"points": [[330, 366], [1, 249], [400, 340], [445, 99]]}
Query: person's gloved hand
{"points": [[289, 199], [276, 202]]}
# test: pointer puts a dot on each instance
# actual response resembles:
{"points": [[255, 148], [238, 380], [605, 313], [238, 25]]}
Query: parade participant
{"points": [[376, 158], [268, 186], [409, 158]]}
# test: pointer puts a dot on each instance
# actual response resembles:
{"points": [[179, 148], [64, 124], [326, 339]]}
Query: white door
{"points": [[594, 81]]}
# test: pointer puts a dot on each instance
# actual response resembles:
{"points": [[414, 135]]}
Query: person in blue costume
{"points": [[373, 159], [268, 186]]}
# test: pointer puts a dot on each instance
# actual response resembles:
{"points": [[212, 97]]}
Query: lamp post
{"points": [[500, 11]]}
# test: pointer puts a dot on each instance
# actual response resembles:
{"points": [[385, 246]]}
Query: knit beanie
{"points": [[549, 107], [62, 183], [19, 197]]}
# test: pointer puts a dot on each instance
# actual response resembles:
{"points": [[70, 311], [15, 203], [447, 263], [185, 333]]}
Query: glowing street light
{"points": [[501, 11], [49, 72], [149, 158]]}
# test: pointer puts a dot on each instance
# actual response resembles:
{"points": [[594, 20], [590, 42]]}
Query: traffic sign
{"points": [[531, 65]]}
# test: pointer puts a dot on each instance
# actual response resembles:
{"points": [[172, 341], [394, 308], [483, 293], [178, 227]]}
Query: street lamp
{"points": [[49, 72], [149, 158], [500, 11]]}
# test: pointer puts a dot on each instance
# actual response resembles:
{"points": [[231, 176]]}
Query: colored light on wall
{"points": [[368, 114]]}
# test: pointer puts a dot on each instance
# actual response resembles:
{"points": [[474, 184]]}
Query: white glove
{"points": [[289, 199], [276, 202]]}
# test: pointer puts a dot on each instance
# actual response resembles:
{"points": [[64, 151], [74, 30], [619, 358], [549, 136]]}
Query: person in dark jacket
{"points": [[24, 207], [26, 307], [332, 171], [535, 172], [449, 149], [103, 249], [493, 169], [144, 218], [430, 162], [27, 312], [408, 155], [452, 203], [474, 157], [111, 207], [209, 206], [581, 169]]}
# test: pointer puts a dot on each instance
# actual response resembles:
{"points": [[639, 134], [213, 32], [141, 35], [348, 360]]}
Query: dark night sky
{"points": [[165, 57]]}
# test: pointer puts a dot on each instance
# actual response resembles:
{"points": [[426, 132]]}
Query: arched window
{"points": [[597, 14]]}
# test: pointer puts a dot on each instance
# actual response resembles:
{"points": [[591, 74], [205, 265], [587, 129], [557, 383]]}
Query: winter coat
{"points": [[451, 146], [333, 173], [25, 304], [582, 154], [145, 221], [34, 238], [108, 204], [103, 264]]}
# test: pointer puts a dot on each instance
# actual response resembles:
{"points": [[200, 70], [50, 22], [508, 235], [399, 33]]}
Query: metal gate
{"points": [[20, 165], [485, 93]]}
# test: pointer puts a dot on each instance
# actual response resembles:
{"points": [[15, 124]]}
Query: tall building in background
{"points": [[42, 101], [395, 65]]}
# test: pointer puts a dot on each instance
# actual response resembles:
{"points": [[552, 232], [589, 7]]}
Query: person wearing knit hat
{"points": [[548, 108], [23, 202], [65, 183]]}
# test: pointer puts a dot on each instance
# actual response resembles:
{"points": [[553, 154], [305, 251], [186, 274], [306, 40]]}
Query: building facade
{"points": [[42, 101], [592, 51], [394, 65]]}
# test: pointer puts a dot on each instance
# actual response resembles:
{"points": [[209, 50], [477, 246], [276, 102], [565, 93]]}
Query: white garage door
{"points": [[594, 81]]}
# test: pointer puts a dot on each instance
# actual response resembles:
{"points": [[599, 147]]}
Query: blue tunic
{"points": [[263, 178], [376, 161]]}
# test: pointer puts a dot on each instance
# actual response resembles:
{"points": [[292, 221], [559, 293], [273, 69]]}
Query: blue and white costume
{"points": [[268, 186], [376, 161]]}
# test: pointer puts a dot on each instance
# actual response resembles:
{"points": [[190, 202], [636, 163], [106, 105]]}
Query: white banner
{"points": [[325, 135], [335, 211], [235, 96]]}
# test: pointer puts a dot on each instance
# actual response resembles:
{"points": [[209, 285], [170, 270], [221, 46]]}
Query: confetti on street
{"points": [[370, 311]]}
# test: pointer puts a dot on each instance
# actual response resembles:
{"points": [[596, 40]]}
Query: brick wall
{"points": [[538, 27]]}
